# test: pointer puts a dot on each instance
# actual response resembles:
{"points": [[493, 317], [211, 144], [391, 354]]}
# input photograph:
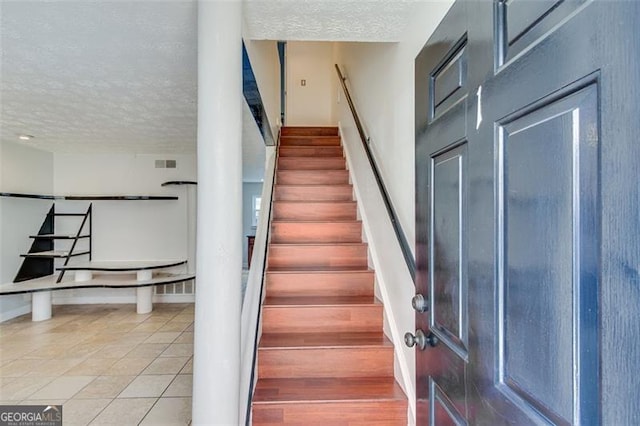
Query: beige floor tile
{"points": [[190, 328], [105, 387], [175, 326], [166, 365], [120, 412], [188, 368], [149, 326], [76, 412], [147, 350], [91, 367], [169, 411], [44, 402], [178, 349], [48, 352], [134, 338], [52, 367], [22, 387], [63, 387], [19, 367], [147, 386], [84, 350], [163, 337], [105, 338], [128, 367], [186, 337], [181, 386], [113, 351]]}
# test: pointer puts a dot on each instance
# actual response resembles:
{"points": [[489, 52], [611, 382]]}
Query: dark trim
{"points": [[38, 266], [179, 182], [73, 287], [402, 239], [87, 215], [120, 269], [37, 255], [264, 273], [89, 197], [58, 237]]}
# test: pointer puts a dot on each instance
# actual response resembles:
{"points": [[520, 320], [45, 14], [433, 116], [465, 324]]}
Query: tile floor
{"points": [[104, 363]]}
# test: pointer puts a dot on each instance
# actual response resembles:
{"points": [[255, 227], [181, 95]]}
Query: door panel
{"points": [[522, 23], [527, 167], [448, 281], [543, 157]]}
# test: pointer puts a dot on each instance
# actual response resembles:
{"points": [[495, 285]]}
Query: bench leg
{"points": [[83, 276], [41, 306], [144, 298]]}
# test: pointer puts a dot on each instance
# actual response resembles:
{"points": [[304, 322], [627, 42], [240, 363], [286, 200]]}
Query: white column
{"points": [[40, 306], [219, 214], [191, 228], [144, 295]]}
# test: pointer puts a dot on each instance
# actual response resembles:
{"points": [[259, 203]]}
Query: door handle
{"points": [[420, 303], [420, 339]]}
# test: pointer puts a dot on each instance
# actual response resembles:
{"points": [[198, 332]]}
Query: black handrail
{"points": [[264, 270], [402, 239]]}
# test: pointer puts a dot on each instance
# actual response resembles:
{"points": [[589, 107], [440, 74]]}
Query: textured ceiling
{"points": [[87, 76], [121, 76], [328, 20]]}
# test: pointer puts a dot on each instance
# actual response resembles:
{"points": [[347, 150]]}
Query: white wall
{"points": [[314, 103], [125, 230], [380, 77], [265, 63], [23, 170]]}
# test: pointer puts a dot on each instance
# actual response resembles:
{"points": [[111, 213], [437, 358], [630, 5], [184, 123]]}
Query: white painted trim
{"points": [[252, 303], [16, 312], [394, 281], [131, 299]]}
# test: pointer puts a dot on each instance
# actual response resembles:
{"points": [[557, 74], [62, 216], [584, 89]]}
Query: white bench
{"points": [[109, 274]]}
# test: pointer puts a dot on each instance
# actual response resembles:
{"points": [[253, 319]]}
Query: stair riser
{"points": [[317, 319], [319, 285], [313, 193], [312, 177], [309, 141], [283, 210], [326, 362], [309, 131], [303, 232], [347, 413], [311, 151], [305, 163], [301, 256]]}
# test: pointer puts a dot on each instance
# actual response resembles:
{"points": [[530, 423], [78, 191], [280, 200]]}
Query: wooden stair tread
{"points": [[327, 390], [315, 221], [326, 340], [318, 269], [303, 301], [337, 245]]}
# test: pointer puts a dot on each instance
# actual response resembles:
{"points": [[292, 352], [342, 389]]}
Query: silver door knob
{"points": [[419, 303], [420, 339]]}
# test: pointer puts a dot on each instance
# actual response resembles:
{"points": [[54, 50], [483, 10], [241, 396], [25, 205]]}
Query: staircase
{"points": [[323, 357]]}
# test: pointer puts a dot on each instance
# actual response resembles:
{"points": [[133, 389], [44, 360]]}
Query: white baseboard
{"points": [[16, 312]]}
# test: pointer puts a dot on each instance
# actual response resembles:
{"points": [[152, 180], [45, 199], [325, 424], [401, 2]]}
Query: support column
{"points": [[219, 214], [41, 306], [144, 295]]}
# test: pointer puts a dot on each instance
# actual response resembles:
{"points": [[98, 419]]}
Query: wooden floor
{"points": [[323, 357]]}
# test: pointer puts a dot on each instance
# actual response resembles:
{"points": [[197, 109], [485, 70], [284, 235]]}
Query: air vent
{"points": [[166, 164]]}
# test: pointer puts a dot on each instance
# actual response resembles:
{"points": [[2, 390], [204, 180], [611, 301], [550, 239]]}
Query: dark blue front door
{"points": [[527, 200]]}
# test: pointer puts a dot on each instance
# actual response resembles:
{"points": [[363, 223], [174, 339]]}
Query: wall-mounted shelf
{"points": [[179, 182], [90, 197]]}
